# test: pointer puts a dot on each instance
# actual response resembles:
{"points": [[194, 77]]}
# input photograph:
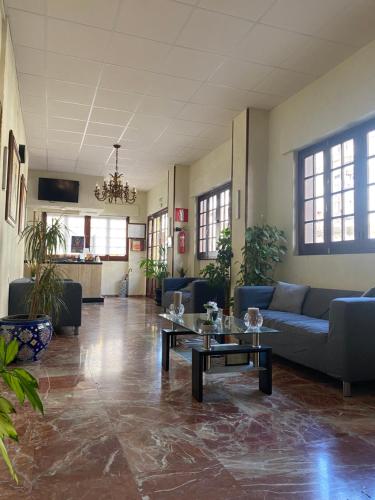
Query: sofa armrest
{"points": [[203, 292], [251, 296], [173, 284], [351, 339]]}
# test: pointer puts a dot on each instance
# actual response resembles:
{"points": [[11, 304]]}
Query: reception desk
{"points": [[89, 274]]}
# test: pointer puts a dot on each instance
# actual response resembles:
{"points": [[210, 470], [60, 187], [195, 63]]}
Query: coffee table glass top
{"points": [[229, 325]]}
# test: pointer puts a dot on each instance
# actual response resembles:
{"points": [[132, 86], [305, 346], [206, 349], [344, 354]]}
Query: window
{"points": [[104, 236], [157, 234], [108, 237], [213, 217], [73, 226], [336, 199]]}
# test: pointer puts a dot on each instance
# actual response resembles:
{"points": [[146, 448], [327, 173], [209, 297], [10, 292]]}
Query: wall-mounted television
{"points": [[58, 190]]}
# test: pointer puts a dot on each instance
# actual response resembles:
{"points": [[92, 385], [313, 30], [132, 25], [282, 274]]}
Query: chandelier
{"points": [[114, 189]]}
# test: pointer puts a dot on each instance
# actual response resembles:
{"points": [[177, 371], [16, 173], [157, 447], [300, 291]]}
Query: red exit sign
{"points": [[181, 215]]}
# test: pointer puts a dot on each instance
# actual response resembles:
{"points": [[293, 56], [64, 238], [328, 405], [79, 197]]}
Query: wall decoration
{"points": [[181, 215], [137, 245], [13, 174], [137, 231], [22, 205], [5, 168], [77, 244]]}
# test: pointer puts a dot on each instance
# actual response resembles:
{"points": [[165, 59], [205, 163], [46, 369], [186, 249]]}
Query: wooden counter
{"points": [[89, 274]]}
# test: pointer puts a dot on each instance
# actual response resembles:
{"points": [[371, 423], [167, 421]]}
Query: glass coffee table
{"points": [[192, 324]]}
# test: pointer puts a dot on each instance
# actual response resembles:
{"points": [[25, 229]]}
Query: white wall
{"points": [[339, 99], [11, 251]]}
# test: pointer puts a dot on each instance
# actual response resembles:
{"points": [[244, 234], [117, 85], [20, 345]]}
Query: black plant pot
{"points": [[33, 335], [158, 296]]}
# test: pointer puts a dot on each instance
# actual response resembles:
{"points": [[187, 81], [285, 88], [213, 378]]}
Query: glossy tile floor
{"points": [[116, 428]]}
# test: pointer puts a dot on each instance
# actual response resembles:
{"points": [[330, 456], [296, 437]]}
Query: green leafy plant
{"points": [[156, 268], [218, 272], [41, 244], [24, 386], [265, 247], [182, 272]]}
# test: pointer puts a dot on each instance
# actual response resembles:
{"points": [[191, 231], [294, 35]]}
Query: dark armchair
{"points": [[195, 293]]}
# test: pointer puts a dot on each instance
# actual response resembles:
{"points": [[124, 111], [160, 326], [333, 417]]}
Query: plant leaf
{"points": [[6, 406], [6, 458], [11, 351], [14, 384], [25, 375]]}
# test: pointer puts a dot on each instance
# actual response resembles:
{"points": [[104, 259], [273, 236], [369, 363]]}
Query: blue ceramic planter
{"points": [[33, 335]]}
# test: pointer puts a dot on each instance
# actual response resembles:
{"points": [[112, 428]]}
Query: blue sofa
{"points": [[335, 332], [195, 293]]}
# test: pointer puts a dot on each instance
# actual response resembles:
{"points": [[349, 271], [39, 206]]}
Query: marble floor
{"points": [[117, 428]]}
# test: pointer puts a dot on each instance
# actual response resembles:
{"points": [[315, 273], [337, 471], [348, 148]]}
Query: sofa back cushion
{"points": [[288, 297], [369, 293], [318, 300]]}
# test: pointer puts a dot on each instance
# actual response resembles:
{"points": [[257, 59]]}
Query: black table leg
{"points": [[165, 344], [173, 340], [197, 375], [265, 376]]}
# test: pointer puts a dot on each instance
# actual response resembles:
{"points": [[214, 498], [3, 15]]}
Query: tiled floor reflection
{"points": [[117, 428]]}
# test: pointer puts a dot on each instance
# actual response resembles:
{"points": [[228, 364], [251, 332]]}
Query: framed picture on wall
{"points": [[137, 231], [13, 175], [22, 205], [137, 245]]}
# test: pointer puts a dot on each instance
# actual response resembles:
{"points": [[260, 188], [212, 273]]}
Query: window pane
{"points": [[108, 236], [319, 232], [336, 156], [227, 197], [309, 166], [319, 209], [336, 230], [348, 177], [309, 188], [319, 185], [349, 228], [309, 233], [349, 202], [336, 180], [371, 198], [371, 143], [336, 208], [348, 151], [319, 163], [371, 171], [309, 210], [371, 226]]}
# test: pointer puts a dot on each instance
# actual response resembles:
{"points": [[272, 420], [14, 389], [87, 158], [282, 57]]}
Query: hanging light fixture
{"points": [[114, 189]]}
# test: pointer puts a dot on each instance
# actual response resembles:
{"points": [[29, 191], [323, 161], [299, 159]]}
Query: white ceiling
{"points": [[165, 77]]}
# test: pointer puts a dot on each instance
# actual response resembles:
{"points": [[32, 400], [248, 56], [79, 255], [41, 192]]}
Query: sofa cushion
{"points": [[288, 297], [318, 300], [296, 324]]}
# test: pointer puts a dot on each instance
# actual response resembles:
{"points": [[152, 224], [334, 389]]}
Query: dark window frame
{"points": [[361, 243], [205, 196]]}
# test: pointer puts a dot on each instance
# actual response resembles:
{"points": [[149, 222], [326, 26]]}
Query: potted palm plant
{"points": [[156, 269], [33, 331]]}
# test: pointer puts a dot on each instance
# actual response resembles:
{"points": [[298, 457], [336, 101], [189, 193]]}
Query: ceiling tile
{"points": [[32, 84], [151, 125], [34, 121], [171, 140], [27, 29], [33, 104], [240, 74], [117, 100], [61, 165], [212, 31], [98, 140], [91, 12], [353, 25], [283, 82], [66, 124], [36, 6], [247, 9], [159, 20], [125, 79], [221, 96], [65, 136], [104, 129], [64, 150], [303, 16], [207, 114], [70, 92], [72, 69], [30, 61], [268, 45], [68, 110], [264, 101], [193, 64], [187, 127], [127, 50], [36, 142], [316, 56], [113, 116], [76, 40], [172, 87], [160, 106], [95, 153]]}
